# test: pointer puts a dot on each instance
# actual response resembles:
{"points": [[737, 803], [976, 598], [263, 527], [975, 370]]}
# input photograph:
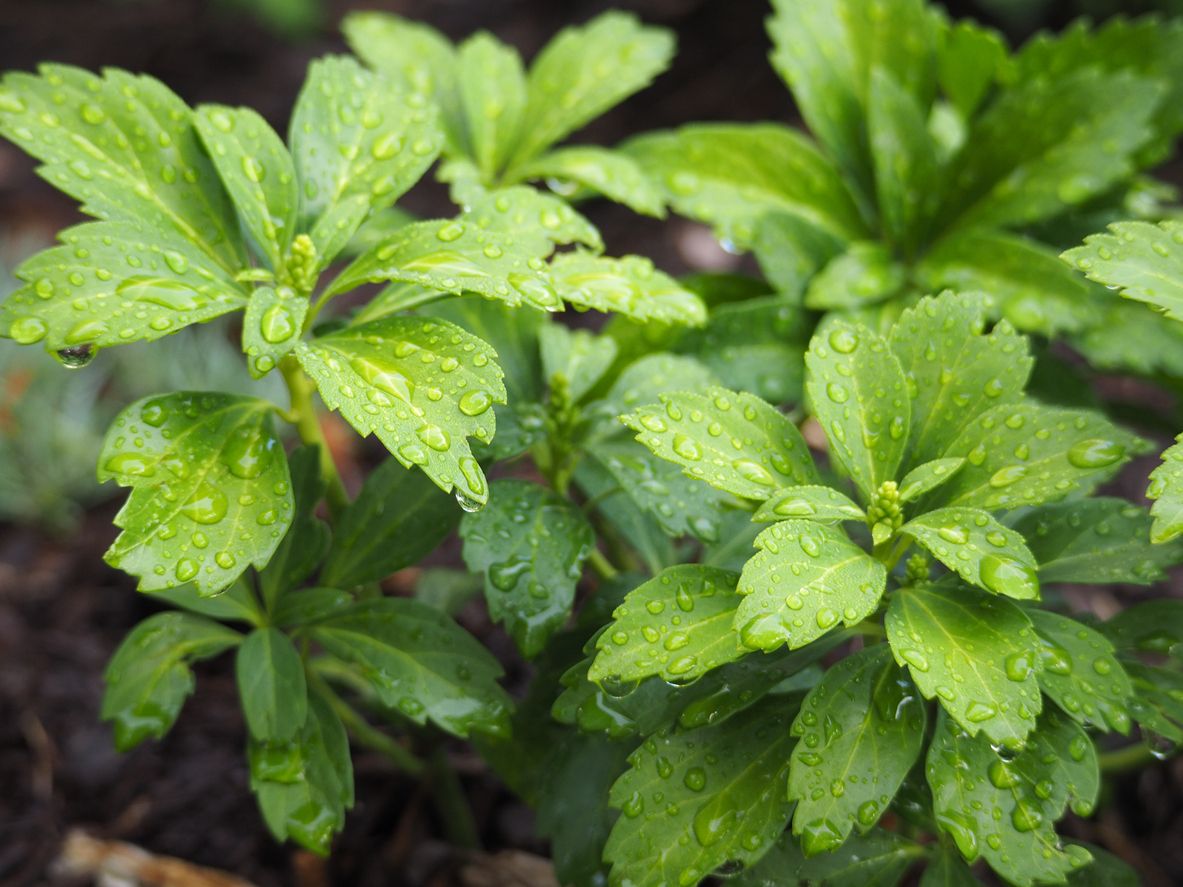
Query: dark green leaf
{"points": [[791, 250], [304, 545], [876, 859], [643, 380], [210, 489], [236, 603], [928, 476], [397, 519], [420, 662], [1155, 625], [948, 870], [979, 653], [1157, 705], [148, 678], [806, 578], [271, 685], [1106, 870], [308, 605], [513, 335]]}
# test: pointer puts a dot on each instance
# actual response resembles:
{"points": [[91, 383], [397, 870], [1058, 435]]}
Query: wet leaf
{"points": [[271, 327], [928, 476], [629, 286], [811, 502], [1166, 489], [612, 173], [237, 603], [876, 859], [1155, 625], [580, 357], [271, 685], [492, 85], [985, 553], [947, 869], [643, 380], [972, 59], [304, 545]]}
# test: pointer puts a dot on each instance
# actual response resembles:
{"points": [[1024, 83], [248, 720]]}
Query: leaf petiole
{"points": [[303, 415]]}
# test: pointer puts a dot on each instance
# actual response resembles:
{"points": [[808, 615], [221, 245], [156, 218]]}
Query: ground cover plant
{"points": [[890, 678]]}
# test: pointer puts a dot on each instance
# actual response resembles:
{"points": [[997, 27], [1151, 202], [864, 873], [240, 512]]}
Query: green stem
{"points": [[601, 564], [448, 797], [303, 416], [361, 730], [1129, 757]]}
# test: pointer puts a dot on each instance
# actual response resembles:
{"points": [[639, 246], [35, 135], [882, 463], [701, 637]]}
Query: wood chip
{"points": [[118, 864]]}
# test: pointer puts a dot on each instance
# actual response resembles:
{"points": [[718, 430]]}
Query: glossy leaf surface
{"points": [[985, 553]]}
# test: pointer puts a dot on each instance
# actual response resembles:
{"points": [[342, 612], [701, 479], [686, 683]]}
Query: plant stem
{"points": [[362, 732], [601, 564], [448, 796], [1126, 758], [303, 416]]}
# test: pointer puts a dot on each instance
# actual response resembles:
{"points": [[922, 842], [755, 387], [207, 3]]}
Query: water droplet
{"points": [[837, 393], [224, 559], [1095, 453], [434, 436], [153, 413], [1005, 575], [92, 113], [795, 507], [277, 324], [1077, 748], [384, 378], [868, 813], [78, 356], [387, 146], [980, 711], [843, 341], [1011, 474], [449, 232], [130, 463], [413, 453], [253, 169], [752, 472], [1026, 817], [809, 546], [1019, 665], [956, 534], [915, 659], [687, 448], [186, 569], [28, 330], [248, 453], [207, 505]]}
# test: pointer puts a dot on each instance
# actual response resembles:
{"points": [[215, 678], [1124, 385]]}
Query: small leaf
{"points": [[811, 502], [791, 250], [927, 477], [512, 334], [861, 398], [422, 386], [1155, 625], [1096, 540], [984, 552], [148, 678], [643, 380], [861, 729], [271, 685], [977, 652], [530, 543], [806, 578], [1144, 260], [969, 780], [723, 798], [304, 545], [958, 372], [237, 603], [584, 71], [677, 625], [1080, 672], [729, 175], [876, 859], [628, 286], [257, 170], [1156, 705], [271, 328], [492, 86], [210, 489], [612, 173], [305, 786], [1028, 454], [420, 662], [79, 293], [681, 505], [1166, 489], [399, 517], [970, 61], [699, 431], [865, 273], [358, 143], [580, 357]]}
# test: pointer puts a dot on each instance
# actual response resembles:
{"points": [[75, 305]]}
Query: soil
{"points": [[63, 611]]}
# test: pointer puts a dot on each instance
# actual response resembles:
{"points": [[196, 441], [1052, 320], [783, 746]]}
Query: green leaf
{"points": [[1046, 145], [148, 678], [1028, 454], [422, 386], [677, 625], [309, 605], [811, 502], [1080, 672], [865, 273], [496, 249], [584, 71], [1166, 488], [868, 437], [1131, 337], [723, 789], [700, 431], [271, 685], [729, 175], [681, 505], [78, 293], [959, 372], [825, 52], [904, 157], [236, 603], [1144, 260], [860, 730], [804, 580], [612, 173], [1156, 705], [304, 545], [948, 870], [969, 780], [399, 517], [1096, 541], [970, 61], [530, 543], [1033, 289], [928, 476], [358, 143], [210, 489], [1106, 870], [257, 170], [305, 786], [876, 859], [977, 652], [1155, 625], [420, 662], [271, 327], [578, 356], [126, 147], [492, 85], [643, 380], [512, 334], [416, 56], [628, 286], [972, 543]]}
